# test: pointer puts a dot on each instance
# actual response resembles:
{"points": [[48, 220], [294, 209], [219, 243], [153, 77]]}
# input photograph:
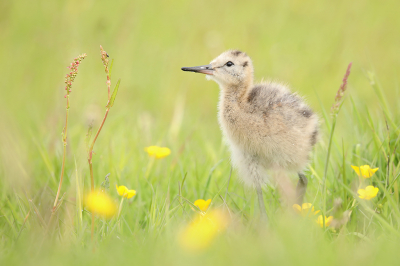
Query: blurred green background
{"points": [[307, 44]]}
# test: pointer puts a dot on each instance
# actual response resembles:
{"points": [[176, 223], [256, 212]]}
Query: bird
{"points": [[267, 126]]}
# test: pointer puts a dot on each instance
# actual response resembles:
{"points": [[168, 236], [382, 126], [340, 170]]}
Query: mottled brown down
{"points": [[266, 126]]}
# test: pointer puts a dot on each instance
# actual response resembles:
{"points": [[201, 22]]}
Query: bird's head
{"points": [[230, 69]]}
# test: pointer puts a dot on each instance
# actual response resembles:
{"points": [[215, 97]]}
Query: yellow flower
{"points": [[101, 204], [158, 152], [125, 192], [304, 210], [328, 221], [368, 193], [121, 190], [365, 170], [202, 204], [200, 233]]}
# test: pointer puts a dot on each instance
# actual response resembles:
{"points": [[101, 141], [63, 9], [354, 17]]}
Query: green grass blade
{"points": [[113, 95], [209, 178], [78, 202], [369, 210], [110, 68], [379, 92]]}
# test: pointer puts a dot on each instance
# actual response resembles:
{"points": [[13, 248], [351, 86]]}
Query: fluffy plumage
{"points": [[267, 126]]}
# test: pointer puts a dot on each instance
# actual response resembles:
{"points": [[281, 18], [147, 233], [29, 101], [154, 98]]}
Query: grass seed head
{"points": [[340, 92], [104, 58], [73, 71]]}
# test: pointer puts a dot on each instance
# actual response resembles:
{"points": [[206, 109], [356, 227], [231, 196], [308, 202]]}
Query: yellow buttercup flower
{"points": [[305, 209], [365, 170], [101, 204], [202, 204], [121, 190], [328, 221], [200, 233], [368, 193], [158, 152], [125, 192]]}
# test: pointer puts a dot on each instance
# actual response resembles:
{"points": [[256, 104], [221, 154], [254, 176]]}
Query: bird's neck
{"points": [[236, 93]]}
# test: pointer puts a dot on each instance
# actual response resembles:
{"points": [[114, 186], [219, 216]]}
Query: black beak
{"points": [[206, 69]]}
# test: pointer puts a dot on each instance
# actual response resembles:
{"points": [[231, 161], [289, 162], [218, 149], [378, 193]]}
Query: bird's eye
{"points": [[229, 64]]}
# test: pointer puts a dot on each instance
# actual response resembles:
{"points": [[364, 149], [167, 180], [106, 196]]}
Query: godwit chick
{"points": [[267, 127]]}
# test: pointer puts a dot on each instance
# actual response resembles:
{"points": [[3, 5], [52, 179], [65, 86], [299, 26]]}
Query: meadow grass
{"points": [[307, 44]]}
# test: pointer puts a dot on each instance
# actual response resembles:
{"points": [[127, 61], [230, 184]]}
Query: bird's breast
{"points": [[241, 127]]}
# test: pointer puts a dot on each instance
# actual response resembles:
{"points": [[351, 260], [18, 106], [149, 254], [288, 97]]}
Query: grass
{"points": [[306, 44]]}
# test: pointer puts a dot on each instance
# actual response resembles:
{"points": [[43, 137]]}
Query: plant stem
{"points": [[120, 208], [92, 190], [104, 57], [64, 154], [90, 155], [97, 134], [53, 210], [335, 111], [69, 78], [326, 166], [109, 86]]}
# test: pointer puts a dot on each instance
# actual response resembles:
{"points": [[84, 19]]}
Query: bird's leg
{"points": [[285, 186], [263, 213], [301, 188]]}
